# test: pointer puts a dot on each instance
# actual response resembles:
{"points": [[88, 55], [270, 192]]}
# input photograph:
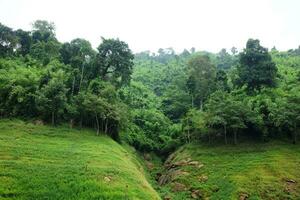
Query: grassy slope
{"points": [[41, 162], [261, 171]]}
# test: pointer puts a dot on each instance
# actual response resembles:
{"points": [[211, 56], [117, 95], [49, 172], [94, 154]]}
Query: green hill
{"points": [[42, 162], [246, 171]]}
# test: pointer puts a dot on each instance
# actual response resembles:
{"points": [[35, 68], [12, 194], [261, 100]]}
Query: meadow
{"points": [[246, 171], [43, 162]]}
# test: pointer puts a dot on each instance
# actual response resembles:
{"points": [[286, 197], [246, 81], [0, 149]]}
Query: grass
{"points": [[43, 162], [258, 171]]}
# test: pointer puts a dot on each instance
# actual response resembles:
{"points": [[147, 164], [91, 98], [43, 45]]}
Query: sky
{"points": [[151, 24]]}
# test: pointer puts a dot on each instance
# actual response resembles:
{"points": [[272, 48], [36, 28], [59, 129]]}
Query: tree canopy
{"points": [[155, 101]]}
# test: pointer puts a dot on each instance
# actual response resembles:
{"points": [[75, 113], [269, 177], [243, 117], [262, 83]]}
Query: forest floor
{"points": [[246, 171], [43, 162]]}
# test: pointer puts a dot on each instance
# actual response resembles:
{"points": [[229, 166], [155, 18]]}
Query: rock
{"points": [[193, 163], [176, 173], [290, 185], [147, 156], [200, 165], [179, 163], [291, 181], [178, 187], [185, 162], [196, 163], [243, 196], [170, 159], [38, 122], [149, 165], [196, 194], [167, 198], [157, 176], [215, 188], [203, 178], [171, 175], [107, 179], [163, 179]]}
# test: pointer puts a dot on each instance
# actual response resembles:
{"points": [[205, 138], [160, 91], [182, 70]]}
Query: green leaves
{"points": [[51, 98], [256, 67], [201, 81], [18, 84], [114, 61]]}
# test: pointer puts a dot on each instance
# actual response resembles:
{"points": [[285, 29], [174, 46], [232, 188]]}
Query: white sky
{"points": [[150, 24]]}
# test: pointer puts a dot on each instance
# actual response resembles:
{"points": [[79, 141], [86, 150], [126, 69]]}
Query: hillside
{"points": [[247, 171], [42, 162]]}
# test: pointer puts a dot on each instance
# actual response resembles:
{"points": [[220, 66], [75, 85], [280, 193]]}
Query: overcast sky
{"points": [[150, 24]]}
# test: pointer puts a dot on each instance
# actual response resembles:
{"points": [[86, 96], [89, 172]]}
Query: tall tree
{"points": [[7, 41], [51, 98], [78, 53], [43, 30], [224, 60], [230, 113], [286, 112], [114, 61], [201, 81], [24, 42], [256, 67]]}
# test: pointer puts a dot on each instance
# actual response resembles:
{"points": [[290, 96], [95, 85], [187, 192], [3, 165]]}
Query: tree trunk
{"points": [[225, 134], [73, 86], [235, 136], [80, 123], [53, 121], [188, 130], [201, 105], [106, 124], [97, 123], [295, 134], [192, 101], [81, 78], [71, 123]]}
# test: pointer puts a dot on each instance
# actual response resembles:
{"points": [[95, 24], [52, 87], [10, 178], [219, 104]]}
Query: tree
{"points": [[78, 53], [256, 67], [229, 112], [100, 103], [234, 51], [222, 80], [7, 41], [43, 31], [51, 98], [45, 46], [285, 113], [138, 96], [18, 85], [114, 61], [217, 113], [98, 106], [224, 60], [24, 42], [45, 51], [201, 81], [195, 125]]}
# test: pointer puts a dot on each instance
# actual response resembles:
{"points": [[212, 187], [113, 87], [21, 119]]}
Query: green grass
{"points": [[260, 171], [43, 162]]}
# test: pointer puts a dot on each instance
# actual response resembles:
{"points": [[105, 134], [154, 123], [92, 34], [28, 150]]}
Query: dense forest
{"points": [[153, 101]]}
